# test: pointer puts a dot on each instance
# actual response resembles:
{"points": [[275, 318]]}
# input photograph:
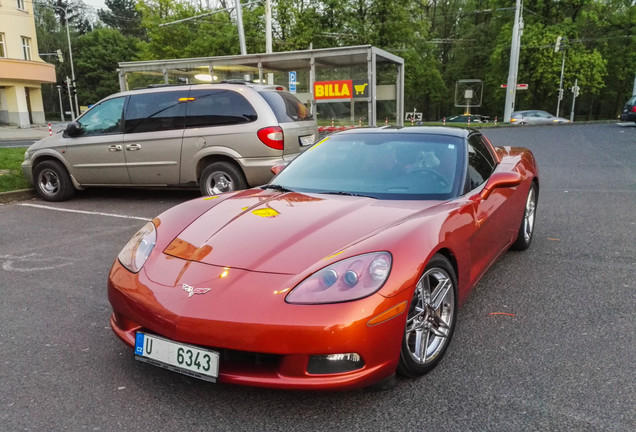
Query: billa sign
{"points": [[345, 89]]}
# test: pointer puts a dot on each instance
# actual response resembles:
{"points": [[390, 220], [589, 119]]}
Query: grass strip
{"points": [[11, 177]]}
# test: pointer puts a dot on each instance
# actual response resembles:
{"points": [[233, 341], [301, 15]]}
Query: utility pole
{"points": [[59, 93], [268, 35], [70, 56], [575, 90], [560, 46], [70, 98], [511, 88]]}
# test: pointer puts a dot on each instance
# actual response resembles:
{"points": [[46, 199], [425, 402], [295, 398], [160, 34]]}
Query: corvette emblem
{"points": [[192, 290]]}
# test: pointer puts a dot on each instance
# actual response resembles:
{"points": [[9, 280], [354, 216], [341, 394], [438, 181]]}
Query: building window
{"points": [[26, 47], [3, 51], [21, 5]]}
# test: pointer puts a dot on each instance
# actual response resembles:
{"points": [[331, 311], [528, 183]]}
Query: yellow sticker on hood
{"points": [[265, 212]]}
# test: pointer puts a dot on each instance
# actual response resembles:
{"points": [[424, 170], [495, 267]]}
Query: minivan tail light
{"points": [[272, 137], [634, 108]]}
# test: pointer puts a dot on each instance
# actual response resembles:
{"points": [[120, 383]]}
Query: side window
{"points": [[480, 162], [104, 118], [156, 111], [217, 107]]}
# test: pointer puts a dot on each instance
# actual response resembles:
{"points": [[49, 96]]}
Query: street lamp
{"points": [[70, 55]]}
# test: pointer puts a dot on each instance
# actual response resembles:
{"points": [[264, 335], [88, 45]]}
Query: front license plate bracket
{"points": [[178, 357]]}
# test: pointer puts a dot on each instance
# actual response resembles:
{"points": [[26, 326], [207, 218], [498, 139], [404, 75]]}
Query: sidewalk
{"points": [[8, 133]]}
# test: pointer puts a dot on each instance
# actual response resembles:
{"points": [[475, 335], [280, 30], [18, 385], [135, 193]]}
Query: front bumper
{"points": [[263, 341], [27, 170]]}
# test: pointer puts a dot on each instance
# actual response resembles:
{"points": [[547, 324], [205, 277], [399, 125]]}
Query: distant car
{"points": [[629, 110], [220, 137], [474, 118], [535, 117], [349, 266]]}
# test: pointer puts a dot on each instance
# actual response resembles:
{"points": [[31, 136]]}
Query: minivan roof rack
{"points": [[236, 81], [159, 86]]}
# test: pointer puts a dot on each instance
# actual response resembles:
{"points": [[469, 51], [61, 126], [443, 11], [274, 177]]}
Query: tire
{"points": [[52, 182], [220, 177], [430, 323], [526, 230]]}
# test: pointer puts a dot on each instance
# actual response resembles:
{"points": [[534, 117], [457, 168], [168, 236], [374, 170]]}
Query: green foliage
{"points": [[213, 35], [123, 16], [96, 61], [441, 42]]}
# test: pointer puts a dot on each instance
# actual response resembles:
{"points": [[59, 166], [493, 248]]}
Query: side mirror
{"points": [[278, 168], [501, 180], [73, 129]]}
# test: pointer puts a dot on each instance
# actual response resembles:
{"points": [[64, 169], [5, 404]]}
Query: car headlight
{"points": [[350, 279], [136, 252]]}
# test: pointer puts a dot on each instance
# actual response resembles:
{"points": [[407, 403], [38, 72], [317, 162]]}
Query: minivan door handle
{"points": [[133, 147], [114, 148]]}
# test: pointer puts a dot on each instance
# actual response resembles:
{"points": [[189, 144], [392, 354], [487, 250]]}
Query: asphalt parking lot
{"points": [[562, 358]]}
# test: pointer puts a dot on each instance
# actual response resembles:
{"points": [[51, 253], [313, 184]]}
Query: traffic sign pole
{"points": [[575, 90]]}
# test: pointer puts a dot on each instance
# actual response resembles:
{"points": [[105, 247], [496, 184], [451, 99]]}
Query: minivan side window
{"points": [[217, 107], [104, 118], [480, 162], [155, 111]]}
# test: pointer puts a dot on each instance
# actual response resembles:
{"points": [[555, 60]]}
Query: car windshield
{"points": [[378, 165]]}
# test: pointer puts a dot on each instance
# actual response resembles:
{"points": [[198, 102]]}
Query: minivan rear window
{"points": [[286, 106], [217, 107]]}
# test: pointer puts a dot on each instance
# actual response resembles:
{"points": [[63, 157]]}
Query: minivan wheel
{"points": [[52, 181], [220, 177]]}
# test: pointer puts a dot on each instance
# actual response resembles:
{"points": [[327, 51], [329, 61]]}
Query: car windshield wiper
{"points": [[347, 194], [277, 187]]}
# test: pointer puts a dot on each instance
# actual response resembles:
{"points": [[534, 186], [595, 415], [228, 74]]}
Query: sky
{"points": [[97, 4]]}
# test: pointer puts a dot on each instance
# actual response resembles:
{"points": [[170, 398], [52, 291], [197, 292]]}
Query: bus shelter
{"points": [[343, 86]]}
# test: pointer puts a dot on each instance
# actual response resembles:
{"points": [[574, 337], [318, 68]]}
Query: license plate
{"points": [[307, 140], [178, 357]]}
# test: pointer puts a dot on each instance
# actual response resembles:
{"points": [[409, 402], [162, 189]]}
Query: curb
{"points": [[19, 195]]}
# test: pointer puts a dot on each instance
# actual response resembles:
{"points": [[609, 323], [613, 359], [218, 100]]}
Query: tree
{"points": [[212, 35], [97, 58], [123, 16]]}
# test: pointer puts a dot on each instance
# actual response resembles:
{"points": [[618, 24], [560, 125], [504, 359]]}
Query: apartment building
{"points": [[22, 71]]}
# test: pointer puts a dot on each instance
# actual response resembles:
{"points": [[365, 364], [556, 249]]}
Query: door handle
{"points": [[114, 148], [133, 147]]}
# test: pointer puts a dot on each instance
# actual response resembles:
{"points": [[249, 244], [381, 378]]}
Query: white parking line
{"points": [[85, 212]]}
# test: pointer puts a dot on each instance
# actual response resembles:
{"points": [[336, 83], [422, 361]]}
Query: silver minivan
{"points": [[219, 137]]}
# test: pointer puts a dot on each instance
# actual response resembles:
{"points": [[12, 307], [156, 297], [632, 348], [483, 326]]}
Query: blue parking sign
{"points": [[292, 81]]}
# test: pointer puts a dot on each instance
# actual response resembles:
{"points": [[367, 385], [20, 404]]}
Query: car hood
{"points": [[285, 232]]}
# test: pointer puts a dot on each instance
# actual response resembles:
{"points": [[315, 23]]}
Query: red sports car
{"points": [[347, 268]]}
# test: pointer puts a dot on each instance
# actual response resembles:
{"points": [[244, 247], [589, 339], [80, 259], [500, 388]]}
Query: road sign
{"points": [[519, 86], [414, 116], [292, 81]]}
